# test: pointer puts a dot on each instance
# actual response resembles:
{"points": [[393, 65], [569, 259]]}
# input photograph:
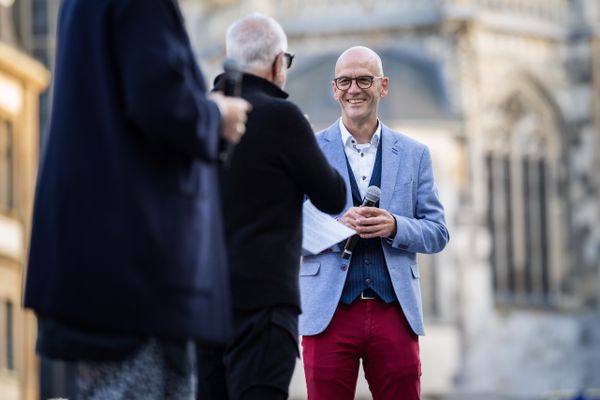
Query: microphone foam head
{"points": [[373, 194], [230, 65]]}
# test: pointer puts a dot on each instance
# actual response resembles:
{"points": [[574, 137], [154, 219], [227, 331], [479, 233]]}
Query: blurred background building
{"points": [[506, 93], [21, 81]]}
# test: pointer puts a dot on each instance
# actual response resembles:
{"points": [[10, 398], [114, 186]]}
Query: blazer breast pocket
{"points": [[403, 199], [414, 268], [310, 268]]}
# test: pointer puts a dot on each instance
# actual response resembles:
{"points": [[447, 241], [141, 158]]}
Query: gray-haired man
{"points": [[272, 169]]}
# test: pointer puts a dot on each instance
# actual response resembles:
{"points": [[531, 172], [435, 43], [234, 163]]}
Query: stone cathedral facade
{"points": [[506, 93]]}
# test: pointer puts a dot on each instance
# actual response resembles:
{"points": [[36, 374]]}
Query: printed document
{"points": [[321, 231]]}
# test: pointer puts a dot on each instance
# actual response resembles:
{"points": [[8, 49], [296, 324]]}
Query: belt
{"points": [[368, 294]]}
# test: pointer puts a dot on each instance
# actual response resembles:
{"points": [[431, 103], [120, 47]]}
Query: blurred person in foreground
{"points": [[127, 261], [275, 165], [369, 307]]}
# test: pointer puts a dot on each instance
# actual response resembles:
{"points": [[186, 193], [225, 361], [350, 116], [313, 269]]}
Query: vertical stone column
{"points": [[474, 279], [595, 50], [7, 32]]}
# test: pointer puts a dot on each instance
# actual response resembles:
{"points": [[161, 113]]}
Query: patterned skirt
{"points": [[158, 370]]}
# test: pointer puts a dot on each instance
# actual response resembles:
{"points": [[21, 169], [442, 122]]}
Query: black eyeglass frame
{"points": [[289, 59], [357, 79]]}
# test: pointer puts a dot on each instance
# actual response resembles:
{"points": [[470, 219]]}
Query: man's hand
{"points": [[233, 116], [370, 222]]}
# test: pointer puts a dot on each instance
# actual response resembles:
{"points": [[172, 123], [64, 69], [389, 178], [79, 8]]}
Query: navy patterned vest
{"points": [[367, 265]]}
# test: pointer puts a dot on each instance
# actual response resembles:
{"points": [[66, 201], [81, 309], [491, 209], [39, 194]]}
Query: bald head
{"points": [[360, 55], [254, 41]]}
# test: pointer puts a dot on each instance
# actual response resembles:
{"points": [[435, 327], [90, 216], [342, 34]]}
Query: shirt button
{"points": [[362, 154], [368, 281], [364, 177], [344, 267]]}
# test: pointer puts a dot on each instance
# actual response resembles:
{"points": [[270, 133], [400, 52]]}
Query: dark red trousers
{"points": [[375, 332]]}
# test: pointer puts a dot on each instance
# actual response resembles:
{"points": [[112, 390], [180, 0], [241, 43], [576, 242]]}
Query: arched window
{"points": [[521, 171], [6, 166], [7, 346]]}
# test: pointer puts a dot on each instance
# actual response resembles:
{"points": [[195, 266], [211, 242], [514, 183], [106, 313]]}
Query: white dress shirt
{"points": [[361, 157]]}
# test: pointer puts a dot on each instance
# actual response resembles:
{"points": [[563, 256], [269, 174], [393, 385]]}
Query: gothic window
{"points": [[10, 353], [39, 11], [6, 166], [518, 179], [7, 354]]}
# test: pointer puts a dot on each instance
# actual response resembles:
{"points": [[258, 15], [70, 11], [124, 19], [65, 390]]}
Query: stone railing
{"points": [[553, 11], [302, 9], [541, 13], [549, 11]]}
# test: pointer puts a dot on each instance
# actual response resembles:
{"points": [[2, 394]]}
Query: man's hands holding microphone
{"points": [[233, 116], [370, 222]]}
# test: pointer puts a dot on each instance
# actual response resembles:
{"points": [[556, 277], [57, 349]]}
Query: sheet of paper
{"points": [[321, 231]]}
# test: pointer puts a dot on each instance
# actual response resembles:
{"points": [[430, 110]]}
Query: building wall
{"points": [[21, 81], [542, 60]]}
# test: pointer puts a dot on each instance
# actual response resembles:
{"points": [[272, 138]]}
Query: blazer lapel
{"points": [[333, 148], [389, 166]]}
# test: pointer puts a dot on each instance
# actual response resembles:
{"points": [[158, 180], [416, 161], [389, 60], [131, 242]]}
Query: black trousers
{"points": [[257, 364]]}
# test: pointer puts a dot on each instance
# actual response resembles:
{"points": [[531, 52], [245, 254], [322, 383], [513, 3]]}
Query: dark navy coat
{"points": [[127, 233]]}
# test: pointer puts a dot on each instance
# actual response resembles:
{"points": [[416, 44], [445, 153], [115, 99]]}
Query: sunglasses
{"points": [[289, 58]]}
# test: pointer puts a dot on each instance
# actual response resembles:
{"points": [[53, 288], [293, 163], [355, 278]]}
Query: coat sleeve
{"points": [[163, 91], [426, 232], [323, 185]]}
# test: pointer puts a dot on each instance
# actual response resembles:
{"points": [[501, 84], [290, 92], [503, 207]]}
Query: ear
{"points": [[276, 68], [334, 90], [383, 90]]}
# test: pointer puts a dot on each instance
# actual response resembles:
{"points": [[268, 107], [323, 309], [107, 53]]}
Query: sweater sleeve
{"points": [[163, 91], [323, 185], [426, 231]]}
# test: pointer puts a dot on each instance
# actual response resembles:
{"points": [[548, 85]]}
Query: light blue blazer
{"points": [[408, 192]]}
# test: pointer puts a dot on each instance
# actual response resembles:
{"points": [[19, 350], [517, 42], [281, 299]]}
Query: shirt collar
{"points": [[253, 83], [347, 136]]}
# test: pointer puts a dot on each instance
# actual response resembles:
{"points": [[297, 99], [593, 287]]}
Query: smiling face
{"points": [[359, 106]]}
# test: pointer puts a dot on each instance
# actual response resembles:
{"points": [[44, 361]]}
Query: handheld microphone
{"points": [[371, 198], [232, 87], [233, 78]]}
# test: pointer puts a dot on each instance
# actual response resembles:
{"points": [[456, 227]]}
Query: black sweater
{"points": [[275, 165]]}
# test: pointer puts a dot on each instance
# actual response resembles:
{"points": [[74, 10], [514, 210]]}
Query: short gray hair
{"points": [[254, 41]]}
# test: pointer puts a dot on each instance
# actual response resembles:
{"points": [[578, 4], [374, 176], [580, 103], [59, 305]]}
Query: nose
{"points": [[354, 87]]}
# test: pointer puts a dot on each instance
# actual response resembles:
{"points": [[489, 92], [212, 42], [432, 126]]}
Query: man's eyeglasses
{"points": [[363, 82], [289, 58]]}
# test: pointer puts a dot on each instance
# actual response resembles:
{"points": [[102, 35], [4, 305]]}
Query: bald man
{"points": [[369, 307]]}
